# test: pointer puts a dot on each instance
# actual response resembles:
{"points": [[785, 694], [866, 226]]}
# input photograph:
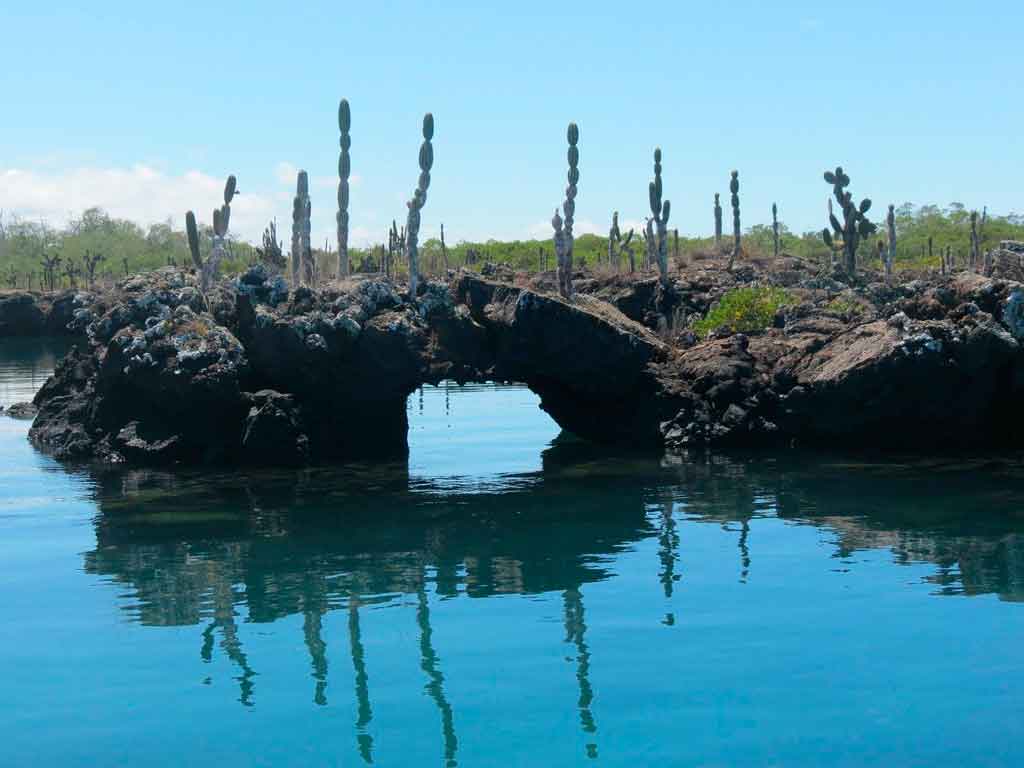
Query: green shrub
{"points": [[844, 305], [745, 309]]}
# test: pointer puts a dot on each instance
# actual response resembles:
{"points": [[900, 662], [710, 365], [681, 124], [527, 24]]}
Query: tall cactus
{"points": [[890, 223], [192, 234], [975, 243], [617, 245], [298, 207], [660, 211], [650, 243], [855, 226], [303, 269], [614, 235], [344, 169], [444, 250], [775, 230], [563, 236], [734, 189], [419, 199], [718, 222], [221, 220]]}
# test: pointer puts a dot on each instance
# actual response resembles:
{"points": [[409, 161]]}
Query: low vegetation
{"points": [[743, 310], [126, 247]]}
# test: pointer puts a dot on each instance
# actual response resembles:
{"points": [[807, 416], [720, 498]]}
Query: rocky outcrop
{"points": [[590, 364], [61, 314], [20, 315], [255, 374], [21, 411], [158, 381], [251, 374], [941, 367]]}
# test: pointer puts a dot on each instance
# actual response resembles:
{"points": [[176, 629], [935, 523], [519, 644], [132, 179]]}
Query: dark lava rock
{"points": [[20, 315], [246, 375], [158, 382], [21, 411], [62, 313]]}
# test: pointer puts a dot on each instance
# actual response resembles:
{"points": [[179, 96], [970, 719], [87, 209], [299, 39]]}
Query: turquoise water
{"points": [[509, 597]]}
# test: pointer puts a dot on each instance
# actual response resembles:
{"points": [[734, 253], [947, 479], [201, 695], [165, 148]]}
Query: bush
{"points": [[745, 309], [844, 305]]}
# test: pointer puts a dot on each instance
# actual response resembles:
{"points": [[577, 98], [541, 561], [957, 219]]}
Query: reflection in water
{"points": [[575, 633], [430, 664], [193, 546], [25, 365], [362, 682], [668, 554]]}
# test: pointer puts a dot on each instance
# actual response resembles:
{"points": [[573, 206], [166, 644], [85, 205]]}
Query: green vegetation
{"points": [[845, 305], [745, 309], [124, 244]]}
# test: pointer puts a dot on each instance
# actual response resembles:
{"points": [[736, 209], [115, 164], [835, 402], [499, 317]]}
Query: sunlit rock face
{"points": [[251, 373]]}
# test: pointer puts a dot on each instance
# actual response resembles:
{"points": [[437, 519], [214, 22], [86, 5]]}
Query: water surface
{"points": [[508, 597]]}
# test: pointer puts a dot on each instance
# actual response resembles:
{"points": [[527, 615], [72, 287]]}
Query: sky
{"points": [[145, 108]]}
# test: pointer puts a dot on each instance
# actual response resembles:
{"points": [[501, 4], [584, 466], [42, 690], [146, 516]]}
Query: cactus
{"points": [[734, 190], [855, 226], [303, 268], [614, 235], [296, 256], [975, 243], [444, 250], [72, 272], [221, 220], [627, 248], [393, 248], [91, 261], [270, 254], [563, 236], [650, 243], [419, 199], [617, 245], [890, 222], [344, 169], [718, 222], [192, 234], [775, 230], [659, 214]]}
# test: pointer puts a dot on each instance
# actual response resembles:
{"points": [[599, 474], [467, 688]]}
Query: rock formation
{"points": [[260, 375]]}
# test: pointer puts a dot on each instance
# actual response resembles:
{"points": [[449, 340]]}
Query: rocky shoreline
{"points": [[253, 373]]}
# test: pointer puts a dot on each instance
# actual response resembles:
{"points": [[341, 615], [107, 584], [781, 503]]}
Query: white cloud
{"points": [[142, 194], [138, 193]]}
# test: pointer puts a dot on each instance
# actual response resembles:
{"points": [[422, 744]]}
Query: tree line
{"points": [[99, 248]]}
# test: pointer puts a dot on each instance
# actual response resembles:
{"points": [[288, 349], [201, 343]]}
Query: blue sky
{"points": [[145, 108]]}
